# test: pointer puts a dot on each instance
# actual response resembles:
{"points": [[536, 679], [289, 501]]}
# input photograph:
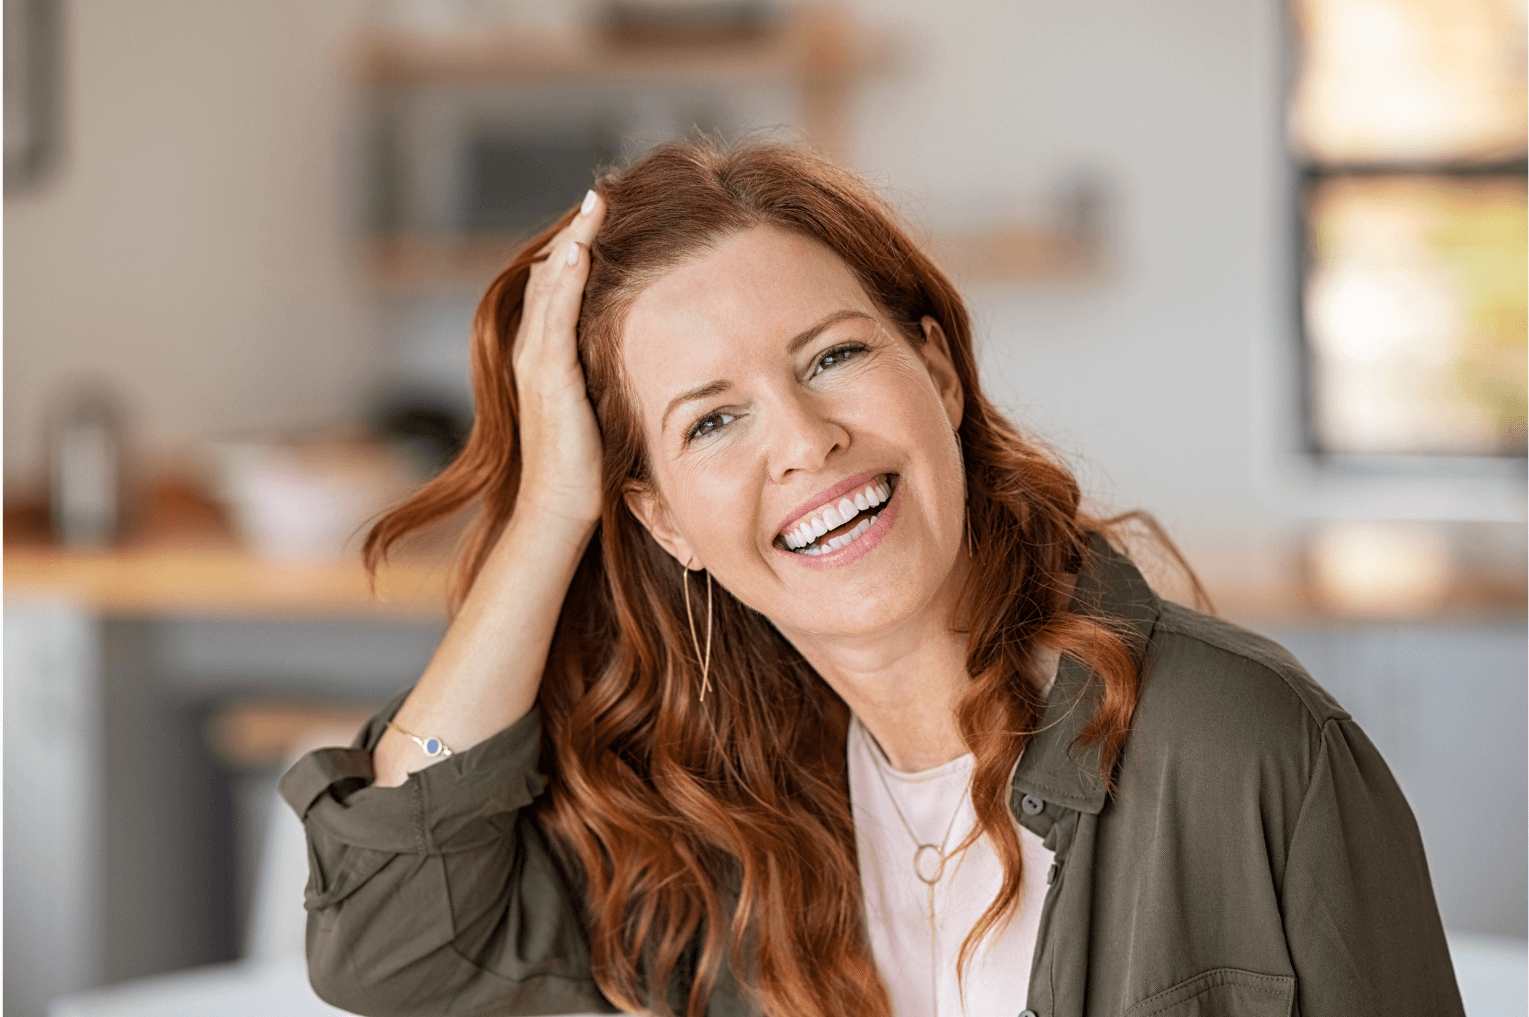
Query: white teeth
{"points": [[809, 531]]}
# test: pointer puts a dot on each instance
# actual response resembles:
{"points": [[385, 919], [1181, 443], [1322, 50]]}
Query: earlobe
{"points": [[650, 510], [942, 370]]}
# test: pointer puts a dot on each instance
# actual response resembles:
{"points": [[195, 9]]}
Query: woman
{"points": [[785, 676]]}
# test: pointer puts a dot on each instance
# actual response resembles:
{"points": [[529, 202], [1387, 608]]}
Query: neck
{"points": [[903, 682]]}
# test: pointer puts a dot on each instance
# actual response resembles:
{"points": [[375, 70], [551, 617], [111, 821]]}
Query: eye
{"points": [[838, 355], [709, 424]]}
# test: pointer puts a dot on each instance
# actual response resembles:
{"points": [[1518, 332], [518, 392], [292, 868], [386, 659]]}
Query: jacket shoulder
{"points": [[1217, 698], [1207, 650]]}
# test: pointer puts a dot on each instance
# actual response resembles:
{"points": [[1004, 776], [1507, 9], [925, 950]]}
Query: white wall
{"points": [[191, 246]]}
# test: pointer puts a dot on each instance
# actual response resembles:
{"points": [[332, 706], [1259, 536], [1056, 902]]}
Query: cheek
{"points": [[716, 500]]}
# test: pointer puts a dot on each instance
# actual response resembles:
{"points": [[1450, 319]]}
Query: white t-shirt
{"points": [[920, 975]]}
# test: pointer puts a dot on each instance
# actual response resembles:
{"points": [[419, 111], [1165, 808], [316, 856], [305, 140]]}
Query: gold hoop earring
{"points": [[703, 660], [969, 549]]}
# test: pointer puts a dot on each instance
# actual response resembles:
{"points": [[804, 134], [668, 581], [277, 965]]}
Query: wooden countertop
{"points": [[183, 559], [222, 581]]}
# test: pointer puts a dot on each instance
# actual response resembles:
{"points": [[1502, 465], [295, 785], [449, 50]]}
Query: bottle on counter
{"points": [[86, 481]]}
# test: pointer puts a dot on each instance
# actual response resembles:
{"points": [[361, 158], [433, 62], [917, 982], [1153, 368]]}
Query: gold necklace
{"points": [[919, 847]]}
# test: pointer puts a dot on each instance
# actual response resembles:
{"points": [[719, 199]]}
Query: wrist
{"points": [[557, 523]]}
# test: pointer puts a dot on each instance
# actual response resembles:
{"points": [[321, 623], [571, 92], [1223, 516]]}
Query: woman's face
{"points": [[803, 451]]}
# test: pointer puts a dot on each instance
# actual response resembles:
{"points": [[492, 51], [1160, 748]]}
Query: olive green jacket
{"points": [[1256, 860]]}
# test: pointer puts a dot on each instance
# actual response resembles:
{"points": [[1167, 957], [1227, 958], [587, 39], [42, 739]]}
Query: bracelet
{"points": [[431, 746]]}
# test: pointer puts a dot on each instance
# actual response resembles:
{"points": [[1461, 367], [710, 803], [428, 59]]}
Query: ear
{"points": [[649, 508], [942, 370]]}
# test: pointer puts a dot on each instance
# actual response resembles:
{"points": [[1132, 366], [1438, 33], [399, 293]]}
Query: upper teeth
{"points": [[833, 516]]}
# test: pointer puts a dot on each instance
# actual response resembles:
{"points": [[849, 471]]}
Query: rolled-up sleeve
{"points": [[1361, 922], [441, 895]]}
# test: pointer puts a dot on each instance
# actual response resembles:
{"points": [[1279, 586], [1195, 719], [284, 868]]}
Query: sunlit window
{"points": [[1408, 121]]}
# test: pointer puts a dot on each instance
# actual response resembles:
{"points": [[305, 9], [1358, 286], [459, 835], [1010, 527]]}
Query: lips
{"points": [[838, 516]]}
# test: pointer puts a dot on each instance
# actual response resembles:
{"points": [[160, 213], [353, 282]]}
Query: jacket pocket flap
{"points": [[1222, 992]]}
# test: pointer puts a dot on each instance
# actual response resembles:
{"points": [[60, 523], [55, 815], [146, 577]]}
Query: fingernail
{"points": [[573, 253], [589, 203]]}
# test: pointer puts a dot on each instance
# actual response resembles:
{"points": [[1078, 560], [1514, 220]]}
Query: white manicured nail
{"points": [[573, 253], [589, 203]]}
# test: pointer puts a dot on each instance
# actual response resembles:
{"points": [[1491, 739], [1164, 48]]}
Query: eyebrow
{"points": [[719, 386]]}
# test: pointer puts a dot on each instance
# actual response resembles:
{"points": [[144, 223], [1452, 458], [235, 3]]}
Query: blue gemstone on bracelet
{"points": [[433, 746]]}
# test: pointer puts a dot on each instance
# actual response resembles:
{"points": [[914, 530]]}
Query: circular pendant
{"points": [[930, 866]]}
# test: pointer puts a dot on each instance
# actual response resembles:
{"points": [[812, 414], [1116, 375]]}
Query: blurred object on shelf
{"points": [[87, 467], [681, 22], [430, 431], [308, 498], [269, 733]]}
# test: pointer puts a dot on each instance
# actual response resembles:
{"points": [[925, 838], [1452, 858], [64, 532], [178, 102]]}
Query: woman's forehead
{"points": [[748, 296]]}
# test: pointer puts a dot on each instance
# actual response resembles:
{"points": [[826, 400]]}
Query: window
{"points": [[1407, 124]]}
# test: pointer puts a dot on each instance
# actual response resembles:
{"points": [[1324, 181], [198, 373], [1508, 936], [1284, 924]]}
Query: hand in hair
{"points": [[475, 685], [559, 439]]}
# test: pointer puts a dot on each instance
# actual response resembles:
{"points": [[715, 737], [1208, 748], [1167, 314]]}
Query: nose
{"points": [[805, 435]]}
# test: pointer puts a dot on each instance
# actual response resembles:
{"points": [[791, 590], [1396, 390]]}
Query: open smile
{"points": [[840, 520]]}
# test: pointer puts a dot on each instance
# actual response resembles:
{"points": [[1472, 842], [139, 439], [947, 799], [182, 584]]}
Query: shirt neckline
{"points": [[959, 764]]}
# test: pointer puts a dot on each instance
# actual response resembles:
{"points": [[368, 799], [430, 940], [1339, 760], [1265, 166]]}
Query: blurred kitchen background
{"points": [[1256, 267]]}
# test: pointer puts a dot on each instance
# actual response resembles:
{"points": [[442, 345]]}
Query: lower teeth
{"points": [[845, 539]]}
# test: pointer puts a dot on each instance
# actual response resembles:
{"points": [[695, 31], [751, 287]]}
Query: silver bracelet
{"points": [[431, 746]]}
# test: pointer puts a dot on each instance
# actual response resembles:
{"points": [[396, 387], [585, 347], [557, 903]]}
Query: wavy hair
{"points": [[719, 832]]}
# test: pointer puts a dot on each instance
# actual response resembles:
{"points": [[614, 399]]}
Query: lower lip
{"points": [[859, 548]]}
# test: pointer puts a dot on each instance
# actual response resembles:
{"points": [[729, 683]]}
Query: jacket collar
{"points": [[1050, 769]]}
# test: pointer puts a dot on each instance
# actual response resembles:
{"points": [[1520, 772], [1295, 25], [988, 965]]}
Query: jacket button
{"points": [[1032, 807], [1027, 1013]]}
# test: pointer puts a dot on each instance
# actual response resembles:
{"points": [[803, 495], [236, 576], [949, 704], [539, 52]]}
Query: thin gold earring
{"points": [[969, 549], [703, 660]]}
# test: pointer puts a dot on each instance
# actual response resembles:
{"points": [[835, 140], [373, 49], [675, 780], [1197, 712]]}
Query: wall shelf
{"points": [[820, 53]]}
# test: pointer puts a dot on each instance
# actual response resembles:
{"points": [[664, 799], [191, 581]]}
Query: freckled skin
{"points": [[791, 425]]}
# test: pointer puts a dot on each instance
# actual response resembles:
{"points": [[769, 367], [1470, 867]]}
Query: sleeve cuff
{"points": [[451, 804]]}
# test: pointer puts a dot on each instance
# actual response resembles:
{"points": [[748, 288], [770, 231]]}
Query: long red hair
{"points": [[719, 832]]}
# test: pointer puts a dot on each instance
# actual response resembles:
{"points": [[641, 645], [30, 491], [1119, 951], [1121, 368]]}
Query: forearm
{"points": [[488, 668]]}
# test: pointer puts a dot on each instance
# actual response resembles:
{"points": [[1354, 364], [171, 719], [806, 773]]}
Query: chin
{"points": [[872, 603]]}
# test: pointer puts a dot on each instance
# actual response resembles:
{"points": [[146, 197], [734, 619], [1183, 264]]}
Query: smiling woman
{"points": [[957, 756]]}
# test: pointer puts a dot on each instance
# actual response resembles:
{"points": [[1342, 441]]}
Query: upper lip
{"points": [[827, 495]]}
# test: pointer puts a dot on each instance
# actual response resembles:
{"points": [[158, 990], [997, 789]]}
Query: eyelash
{"points": [[697, 430], [840, 350]]}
